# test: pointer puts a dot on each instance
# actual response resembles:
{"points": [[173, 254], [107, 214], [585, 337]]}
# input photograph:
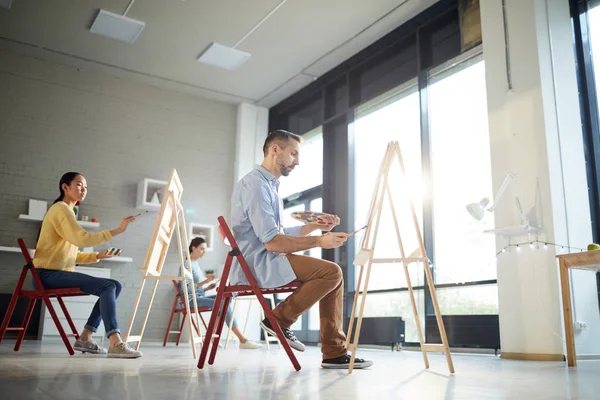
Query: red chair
{"points": [[179, 298], [34, 296], [225, 292]]}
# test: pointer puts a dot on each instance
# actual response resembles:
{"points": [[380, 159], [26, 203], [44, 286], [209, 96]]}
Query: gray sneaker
{"points": [[88, 347], [122, 350]]}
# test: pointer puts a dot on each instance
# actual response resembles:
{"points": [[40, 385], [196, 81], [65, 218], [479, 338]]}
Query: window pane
{"points": [[309, 173], [397, 304], [461, 174], [397, 120], [467, 300]]}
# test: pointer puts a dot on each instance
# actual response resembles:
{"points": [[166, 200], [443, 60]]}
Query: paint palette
{"points": [[311, 217]]}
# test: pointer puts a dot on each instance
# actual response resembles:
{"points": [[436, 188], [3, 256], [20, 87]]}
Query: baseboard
{"points": [[454, 350], [588, 357], [532, 356]]}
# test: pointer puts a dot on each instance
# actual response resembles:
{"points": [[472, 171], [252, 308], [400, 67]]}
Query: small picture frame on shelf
{"points": [[203, 231], [150, 194], [155, 198]]}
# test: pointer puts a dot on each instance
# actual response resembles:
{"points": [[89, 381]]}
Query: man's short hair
{"points": [[280, 136]]}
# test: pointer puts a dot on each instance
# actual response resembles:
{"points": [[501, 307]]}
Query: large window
{"points": [[459, 166], [586, 34], [461, 173], [594, 26], [393, 117], [585, 16]]}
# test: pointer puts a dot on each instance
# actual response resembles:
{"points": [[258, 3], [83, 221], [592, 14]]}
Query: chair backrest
{"points": [[178, 290], [30, 266], [25, 251], [223, 235], [236, 253], [226, 234]]}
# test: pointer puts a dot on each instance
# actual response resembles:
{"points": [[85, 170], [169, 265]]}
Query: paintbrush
{"points": [[356, 231]]}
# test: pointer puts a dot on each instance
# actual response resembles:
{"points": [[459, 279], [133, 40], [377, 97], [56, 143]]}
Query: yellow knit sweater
{"points": [[60, 237]]}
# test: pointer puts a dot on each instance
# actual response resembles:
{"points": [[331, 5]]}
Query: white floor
{"points": [[46, 371]]}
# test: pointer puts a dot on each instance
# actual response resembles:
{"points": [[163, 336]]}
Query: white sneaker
{"points": [[122, 350], [249, 344], [88, 346]]}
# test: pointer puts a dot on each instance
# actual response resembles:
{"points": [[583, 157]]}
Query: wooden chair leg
{"points": [[183, 318], [12, 304], [222, 313], [68, 317], [61, 331], [168, 327], [230, 323], [25, 323], [247, 317], [211, 326], [196, 328], [170, 321]]}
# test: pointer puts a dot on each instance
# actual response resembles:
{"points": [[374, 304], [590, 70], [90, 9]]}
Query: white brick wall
{"points": [[55, 119]]}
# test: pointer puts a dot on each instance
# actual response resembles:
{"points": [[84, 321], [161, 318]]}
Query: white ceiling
{"points": [[301, 41]]}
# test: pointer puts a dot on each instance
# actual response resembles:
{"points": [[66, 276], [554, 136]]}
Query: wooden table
{"points": [[589, 260]]}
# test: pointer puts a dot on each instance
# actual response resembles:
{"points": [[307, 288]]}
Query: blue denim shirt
{"points": [[256, 211]]}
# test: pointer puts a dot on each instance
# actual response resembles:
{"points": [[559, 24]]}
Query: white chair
{"points": [[268, 338]]}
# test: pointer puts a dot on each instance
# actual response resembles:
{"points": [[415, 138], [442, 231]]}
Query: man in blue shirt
{"points": [[256, 215]]}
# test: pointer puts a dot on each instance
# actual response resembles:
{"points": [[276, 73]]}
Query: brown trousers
{"points": [[323, 283]]}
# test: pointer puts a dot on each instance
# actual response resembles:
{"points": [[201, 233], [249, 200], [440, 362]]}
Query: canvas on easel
{"points": [[406, 247], [170, 220]]}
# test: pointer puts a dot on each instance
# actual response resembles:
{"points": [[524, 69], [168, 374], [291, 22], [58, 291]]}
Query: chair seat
{"points": [[192, 310], [246, 290], [62, 292]]}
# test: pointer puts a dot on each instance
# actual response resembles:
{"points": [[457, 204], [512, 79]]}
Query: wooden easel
{"points": [[365, 257], [170, 219]]}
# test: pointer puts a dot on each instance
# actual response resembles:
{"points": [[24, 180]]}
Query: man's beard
{"points": [[285, 169]]}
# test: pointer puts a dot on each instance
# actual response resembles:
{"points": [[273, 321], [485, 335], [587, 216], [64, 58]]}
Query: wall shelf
{"points": [[84, 224], [146, 189], [11, 249], [117, 259], [203, 231], [514, 231]]}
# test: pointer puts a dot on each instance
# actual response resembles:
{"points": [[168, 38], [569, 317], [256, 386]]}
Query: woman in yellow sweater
{"points": [[57, 253]]}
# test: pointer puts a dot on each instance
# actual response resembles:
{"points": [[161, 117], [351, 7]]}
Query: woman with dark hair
{"points": [[197, 250], [57, 253]]}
